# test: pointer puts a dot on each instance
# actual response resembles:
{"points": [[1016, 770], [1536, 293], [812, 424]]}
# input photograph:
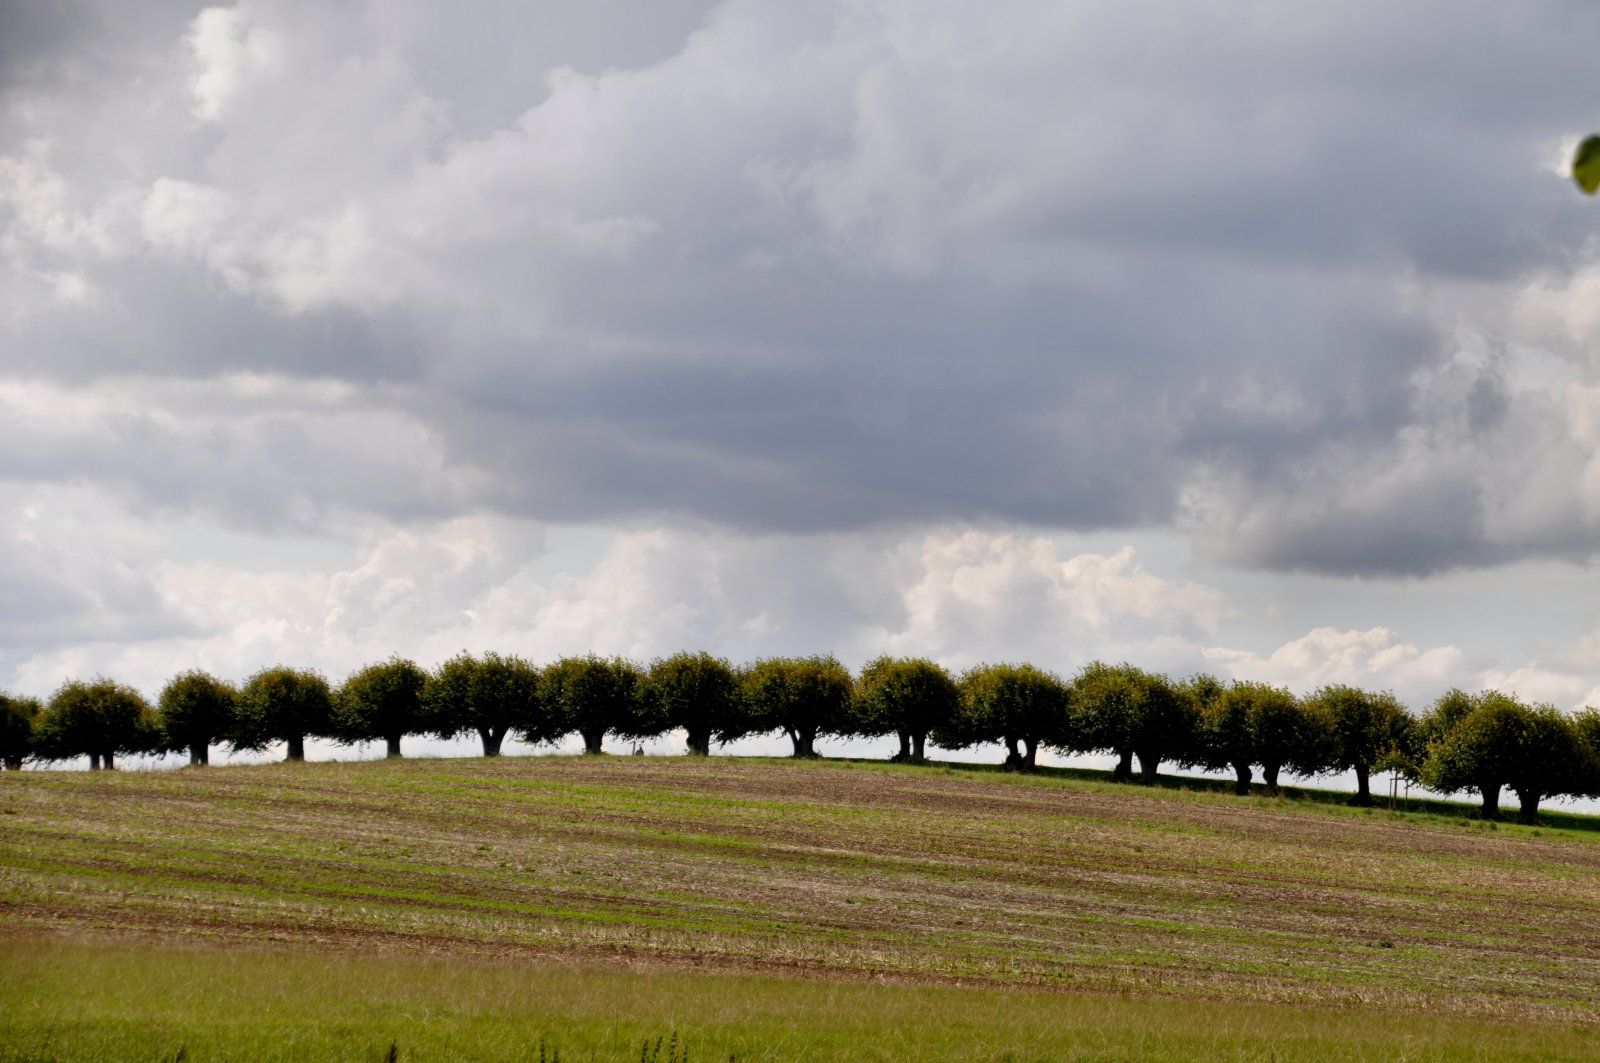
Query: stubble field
{"points": [[670, 871]]}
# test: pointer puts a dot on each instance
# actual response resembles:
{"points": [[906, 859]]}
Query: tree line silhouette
{"points": [[1486, 742]]}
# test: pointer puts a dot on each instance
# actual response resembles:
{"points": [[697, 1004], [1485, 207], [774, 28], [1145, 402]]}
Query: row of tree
{"points": [[1486, 742]]}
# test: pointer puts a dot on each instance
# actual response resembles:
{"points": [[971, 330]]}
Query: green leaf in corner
{"points": [[1586, 165]]}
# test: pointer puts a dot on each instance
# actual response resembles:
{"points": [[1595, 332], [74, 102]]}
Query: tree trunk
{"points": [[592, 741], [805, 743], [491, 737], [197, 754], [111, 761], [1363, 797], [1124, 769], [297, 747], [1529, 812], [905, 748], [1491, 801], [1241, 772], [699, 743], [919, 744], [1269, 772], [1149, 768], [94, 762], [13, 764], [1030, 753], [393, 744], [1013, 754]]}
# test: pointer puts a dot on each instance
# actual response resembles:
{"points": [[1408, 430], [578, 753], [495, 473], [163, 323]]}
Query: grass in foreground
{"points": [[834, 870], [78, 1000]]}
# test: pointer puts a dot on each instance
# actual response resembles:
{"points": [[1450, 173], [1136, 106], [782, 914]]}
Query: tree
{"points": [[195, 710], [1458, 755], [285, 705], [1288, 735], [1130, 712], [382, 700], [1365, 727], [1586, 727], [18, 717], [1249, 724], [804, 697], [1017, 705], [910, 697], [1553, 760], [697, 692], [594, 696], [1223, 738], [1586, 723], [99, 718], [1586, 165], [1491, 740], [489, 697]]}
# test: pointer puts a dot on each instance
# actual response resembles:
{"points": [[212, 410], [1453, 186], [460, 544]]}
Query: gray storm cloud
{"points": [[1256, 273]]}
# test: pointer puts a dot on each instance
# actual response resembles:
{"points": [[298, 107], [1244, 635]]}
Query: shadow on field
{"points": [[1553, 819]]}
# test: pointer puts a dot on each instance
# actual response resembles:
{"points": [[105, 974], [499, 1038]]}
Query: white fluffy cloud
{"points": [[1375, 658], [229, 48], [483, 583], [92, 588]]}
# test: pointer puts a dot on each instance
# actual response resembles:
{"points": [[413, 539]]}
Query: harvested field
{"points": [[914, 875]]}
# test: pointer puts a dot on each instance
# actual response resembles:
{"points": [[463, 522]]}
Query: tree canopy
{"points": [[489, 696], [1017, 705], [1586, 165], [98, 718], [282, 704], [1490, 740], [196, 709], [910, 697], [18, 717], [1129, 712], [1250, 724], [1364, 727], [593, 696], [804, 697], [697, 692], [381, 701]]}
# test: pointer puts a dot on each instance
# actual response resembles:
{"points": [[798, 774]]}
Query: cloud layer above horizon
{"points": [[827, 322]]}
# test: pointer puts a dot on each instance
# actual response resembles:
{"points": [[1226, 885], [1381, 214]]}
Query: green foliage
{"points": [[1491, 740], [1470, 740], [1452, 707], [489, 697], [804, 697], [1586, 165], [1249, 724], [99, 719], [1290, 733], [1586, 725], [18, 717], [281, 704], [1017, 705], [910, 697], [1365, 728], [195, 710], [594, 696], [697, 692], [382, 700], [1222, 738], [1130, 712]]}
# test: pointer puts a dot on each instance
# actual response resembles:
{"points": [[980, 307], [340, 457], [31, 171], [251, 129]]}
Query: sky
{"points": [[1252, 338]]}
